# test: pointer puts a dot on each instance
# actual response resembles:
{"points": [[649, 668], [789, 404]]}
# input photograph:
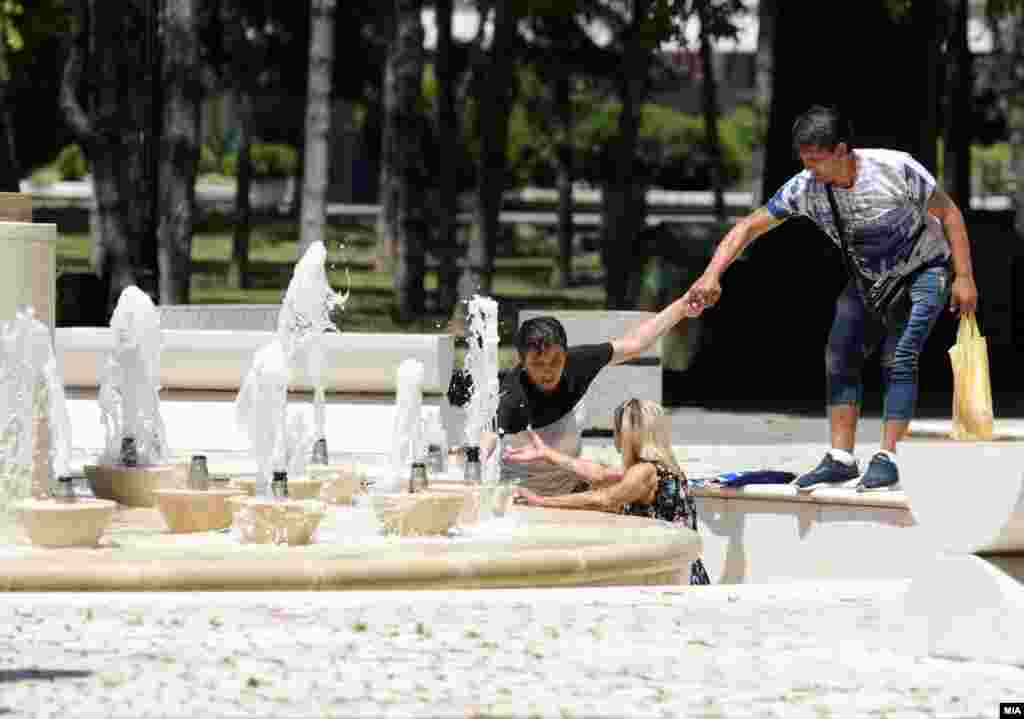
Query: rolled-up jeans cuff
{"points": [[845, 395], [900, 402]]}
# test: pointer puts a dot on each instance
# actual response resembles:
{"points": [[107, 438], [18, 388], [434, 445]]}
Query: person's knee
{"points": [[840, 363]]}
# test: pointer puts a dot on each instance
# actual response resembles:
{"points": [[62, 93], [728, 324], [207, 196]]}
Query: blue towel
{"points": [[732, 480]]}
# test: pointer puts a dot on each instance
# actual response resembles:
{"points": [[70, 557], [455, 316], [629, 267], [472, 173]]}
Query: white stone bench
{"points": [[355, 363], [966, 598], [957, 529], [640, 377]]}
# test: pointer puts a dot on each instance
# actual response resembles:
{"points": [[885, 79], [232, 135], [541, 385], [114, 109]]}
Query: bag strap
{"points": [[968, 329], [838, 219]]}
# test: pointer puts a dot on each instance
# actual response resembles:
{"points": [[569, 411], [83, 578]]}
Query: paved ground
{"points": [[771, 651], [798, 650]]}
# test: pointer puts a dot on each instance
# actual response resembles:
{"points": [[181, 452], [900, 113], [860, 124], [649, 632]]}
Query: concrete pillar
{"points": [[28, 260]]}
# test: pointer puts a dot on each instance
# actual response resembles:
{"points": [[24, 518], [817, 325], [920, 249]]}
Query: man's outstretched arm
{"points": [[707, 290]]}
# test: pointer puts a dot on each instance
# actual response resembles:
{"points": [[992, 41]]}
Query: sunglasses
{"points": [[620, 410]]}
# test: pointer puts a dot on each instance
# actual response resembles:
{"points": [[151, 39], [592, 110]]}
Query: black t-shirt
{"points": [[522, 404]]}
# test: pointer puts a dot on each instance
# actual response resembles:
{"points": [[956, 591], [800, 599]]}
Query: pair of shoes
{"points": [[829, 472], [882, 475]]}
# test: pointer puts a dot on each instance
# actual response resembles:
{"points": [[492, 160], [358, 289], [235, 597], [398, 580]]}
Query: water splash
{"points": [[30, 390], [129, 394], [482, 365], [304, 318], [260, 410], [406, 436], [261, 404]]}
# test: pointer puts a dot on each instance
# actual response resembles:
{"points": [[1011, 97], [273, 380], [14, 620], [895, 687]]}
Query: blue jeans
{"points": [[856, 332]]}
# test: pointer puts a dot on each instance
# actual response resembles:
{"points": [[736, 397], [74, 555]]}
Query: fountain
{"points": [[133, 464], [482, 366], [261, 410], [35, 444]]}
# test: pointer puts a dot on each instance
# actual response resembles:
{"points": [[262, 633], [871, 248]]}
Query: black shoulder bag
{"points": [[882, 295]]}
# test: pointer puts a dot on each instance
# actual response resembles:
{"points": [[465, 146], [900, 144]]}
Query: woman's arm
{"points": [[538, 450], [637, 485]]}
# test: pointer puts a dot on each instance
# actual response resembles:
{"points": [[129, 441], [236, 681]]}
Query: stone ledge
{"points": [[547, 550], [824, 496], [219, 359]]}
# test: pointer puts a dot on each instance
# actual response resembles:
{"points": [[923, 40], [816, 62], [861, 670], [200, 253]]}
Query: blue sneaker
{"points": [[882, 475], [829, 472]]}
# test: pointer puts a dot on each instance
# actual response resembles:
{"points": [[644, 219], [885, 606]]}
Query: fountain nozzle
{"points": [[198, 475], [319, 455], [65, 491], [129, 452], [471, 469], [279, 485]]}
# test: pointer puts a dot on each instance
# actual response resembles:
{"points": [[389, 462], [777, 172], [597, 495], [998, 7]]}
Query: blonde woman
{"points": [[650, 484]]}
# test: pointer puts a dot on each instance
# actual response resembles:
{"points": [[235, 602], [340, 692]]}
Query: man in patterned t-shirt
{"points": [[894, 220]]}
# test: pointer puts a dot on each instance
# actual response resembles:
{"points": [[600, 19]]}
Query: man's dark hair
{"points": [[823, 127], [539, 333]]}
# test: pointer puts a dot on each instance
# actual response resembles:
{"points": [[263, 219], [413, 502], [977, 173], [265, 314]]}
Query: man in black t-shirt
{"points": [[544, 391]]}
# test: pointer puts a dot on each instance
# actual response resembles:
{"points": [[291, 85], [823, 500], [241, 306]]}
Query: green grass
{"points": [[521, 279]]}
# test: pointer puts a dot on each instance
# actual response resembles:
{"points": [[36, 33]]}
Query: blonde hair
{"points": [[645, 433]]}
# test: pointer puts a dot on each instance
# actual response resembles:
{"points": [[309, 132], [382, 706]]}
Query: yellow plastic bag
{"points": [[972, 388]]}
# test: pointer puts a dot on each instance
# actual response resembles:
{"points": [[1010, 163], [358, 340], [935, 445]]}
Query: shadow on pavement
{"points": [[35, 674]]}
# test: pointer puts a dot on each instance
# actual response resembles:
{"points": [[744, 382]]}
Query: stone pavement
{"points": [[795, 650]]}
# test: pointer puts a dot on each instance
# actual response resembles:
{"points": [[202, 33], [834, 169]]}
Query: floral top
{"points": [[672, 503]]}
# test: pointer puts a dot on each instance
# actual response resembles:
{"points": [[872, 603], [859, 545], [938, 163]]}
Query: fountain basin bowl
{"points": [[50, 523], [419, 514], [192, 510], [498, 498], [339, 482], [134, 486], [298, 488], [270, 521]]}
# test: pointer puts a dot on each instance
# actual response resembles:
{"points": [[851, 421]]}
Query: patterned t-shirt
{"points": [[882, 213]]}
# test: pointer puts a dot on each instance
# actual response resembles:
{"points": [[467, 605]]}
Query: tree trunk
{"points": [[493, 84], [764, 81], [957, 156], [318, 124], [563, 180], [624, 210], [179, 148], [10, 172], [238, 271], [926, 24], [448, 137], [242, 67], [709, 102], [384, 256], [407, 177], [110, 127]]}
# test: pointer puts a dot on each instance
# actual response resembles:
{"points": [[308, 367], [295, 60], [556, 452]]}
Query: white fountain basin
{"points": [[419, 514], [499, 498], [134, 486], [195, 510], [298, 487], [339, 482], [51, 523], [272, 521]]}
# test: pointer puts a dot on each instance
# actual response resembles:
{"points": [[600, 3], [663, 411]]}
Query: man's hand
{"points": [[525, 496], [704, 293], [964, 295], [532, 452]]}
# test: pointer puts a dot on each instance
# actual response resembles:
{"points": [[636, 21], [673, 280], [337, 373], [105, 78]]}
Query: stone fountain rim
{"points": [[656, 559]]}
